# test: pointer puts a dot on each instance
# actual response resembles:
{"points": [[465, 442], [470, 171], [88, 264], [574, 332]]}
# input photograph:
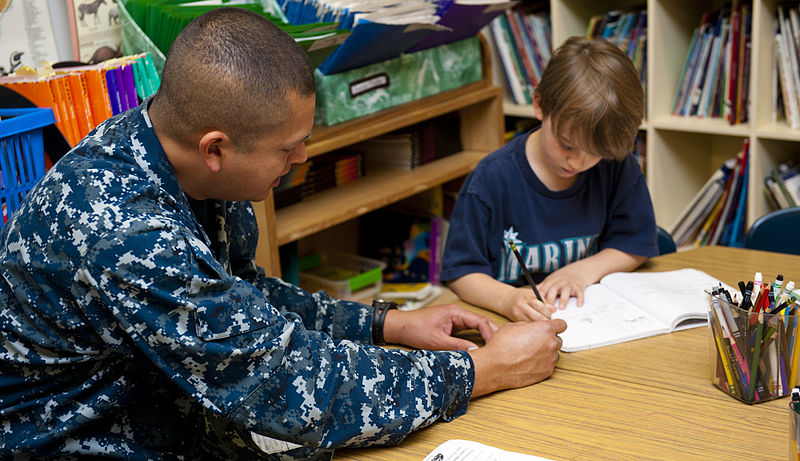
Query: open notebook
{"points": [[630, 305]]}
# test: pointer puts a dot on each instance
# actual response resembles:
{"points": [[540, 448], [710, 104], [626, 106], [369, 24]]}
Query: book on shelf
{"points": [[689, 221], [318, 174], [83, 97], [789, 77], [408, 237], [625, 306], [522, 41], [414, 146], [716, 215], [626, 28], [714, 76], [782, 184]]}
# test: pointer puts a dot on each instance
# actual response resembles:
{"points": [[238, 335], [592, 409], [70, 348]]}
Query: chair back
{"points": [[778, 231], [665, 242]]}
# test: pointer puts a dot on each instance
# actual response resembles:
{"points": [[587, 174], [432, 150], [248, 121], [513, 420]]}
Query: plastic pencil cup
{"points": [[753, 355], [794, 419]]}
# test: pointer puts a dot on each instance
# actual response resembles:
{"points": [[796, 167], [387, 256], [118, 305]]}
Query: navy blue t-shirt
{"points": [[503, 200]]}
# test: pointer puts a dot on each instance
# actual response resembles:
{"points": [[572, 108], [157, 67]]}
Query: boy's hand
{"points": [[518, 354], [520, 304], [560, 286]]}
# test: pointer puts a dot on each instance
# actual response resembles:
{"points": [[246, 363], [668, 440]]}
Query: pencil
{"points": [[526, 272]]}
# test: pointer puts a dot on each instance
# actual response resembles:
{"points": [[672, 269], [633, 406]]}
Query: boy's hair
{"points": [[592, 94], [231, 70]]}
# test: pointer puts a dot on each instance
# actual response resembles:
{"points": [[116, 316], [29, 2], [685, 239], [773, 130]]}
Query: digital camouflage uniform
{"points": [[127, 330]]}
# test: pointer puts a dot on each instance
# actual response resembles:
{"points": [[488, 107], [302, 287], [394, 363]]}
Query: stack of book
{"points": [[415, 145], [782, 185], [316, 175], [628, 30], [715, 75], [83, 97], [717, 213], [522, 40], [787, 67]]}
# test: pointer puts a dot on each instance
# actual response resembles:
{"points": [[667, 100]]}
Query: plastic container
{"points": [[21, 154], [794, 426], [342, 275], [753, 355]]}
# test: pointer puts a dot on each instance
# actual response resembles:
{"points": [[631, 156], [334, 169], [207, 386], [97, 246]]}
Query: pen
{"points": [[525, 271]]}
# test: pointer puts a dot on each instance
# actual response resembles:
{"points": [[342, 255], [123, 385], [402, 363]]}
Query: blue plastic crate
{"points": [[21, 154]]}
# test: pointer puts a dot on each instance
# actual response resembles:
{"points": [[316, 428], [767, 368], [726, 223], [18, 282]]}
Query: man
{"points": [[135, 324]]}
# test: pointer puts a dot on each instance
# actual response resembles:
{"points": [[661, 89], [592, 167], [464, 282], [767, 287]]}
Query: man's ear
{"points": [[213, 146]]}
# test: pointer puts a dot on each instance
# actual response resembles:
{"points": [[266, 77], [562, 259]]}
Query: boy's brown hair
{"points": [[592, 94]]}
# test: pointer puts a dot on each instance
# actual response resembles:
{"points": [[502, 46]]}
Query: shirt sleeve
{"points": [[466, 250], [318, 311], [155, 292], [631, 223]]}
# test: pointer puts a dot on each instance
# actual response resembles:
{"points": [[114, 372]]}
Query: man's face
{"points": [[251, 175]]}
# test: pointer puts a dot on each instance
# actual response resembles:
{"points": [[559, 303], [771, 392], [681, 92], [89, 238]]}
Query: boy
{"points": [[134, 323], [566, 194]]}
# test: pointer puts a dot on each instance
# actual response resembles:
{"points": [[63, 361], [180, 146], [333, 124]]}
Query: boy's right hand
{"points": [[518, 354], [521, 305]]}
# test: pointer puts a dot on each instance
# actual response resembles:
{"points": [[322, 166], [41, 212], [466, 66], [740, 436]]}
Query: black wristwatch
{"points": [[380, 307]]}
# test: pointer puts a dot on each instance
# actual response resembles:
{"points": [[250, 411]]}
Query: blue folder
{"points": [[372, 42]]}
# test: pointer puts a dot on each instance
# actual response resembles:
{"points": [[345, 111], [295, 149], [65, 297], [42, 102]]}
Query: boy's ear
{"points": [[213, 146], [537, 109]]}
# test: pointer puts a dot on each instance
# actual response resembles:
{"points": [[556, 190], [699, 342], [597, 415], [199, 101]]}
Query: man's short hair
{"points": [[592, 93], [231, 70]]}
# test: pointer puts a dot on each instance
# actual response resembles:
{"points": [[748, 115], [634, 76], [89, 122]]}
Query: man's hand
{"points": [[518, 354], [432, 327]]}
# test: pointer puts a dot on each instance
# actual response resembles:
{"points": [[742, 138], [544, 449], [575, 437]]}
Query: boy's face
{"points": [[564, 160], [251, 175], [558, 163]]}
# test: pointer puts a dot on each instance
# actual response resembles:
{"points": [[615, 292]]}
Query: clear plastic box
{"points": [[342, 275], [753, 355]]}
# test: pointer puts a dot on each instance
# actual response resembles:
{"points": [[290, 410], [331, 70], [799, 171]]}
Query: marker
{"points": [[777, 285], [787, 291], [525, 271], [757, 283], [748, 293]]}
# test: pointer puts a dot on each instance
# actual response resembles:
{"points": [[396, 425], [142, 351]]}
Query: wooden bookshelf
{"points": [[682, 153], [479, 106]]}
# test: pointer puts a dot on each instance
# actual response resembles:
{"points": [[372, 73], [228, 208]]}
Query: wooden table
{"points": [[645, 399]]}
